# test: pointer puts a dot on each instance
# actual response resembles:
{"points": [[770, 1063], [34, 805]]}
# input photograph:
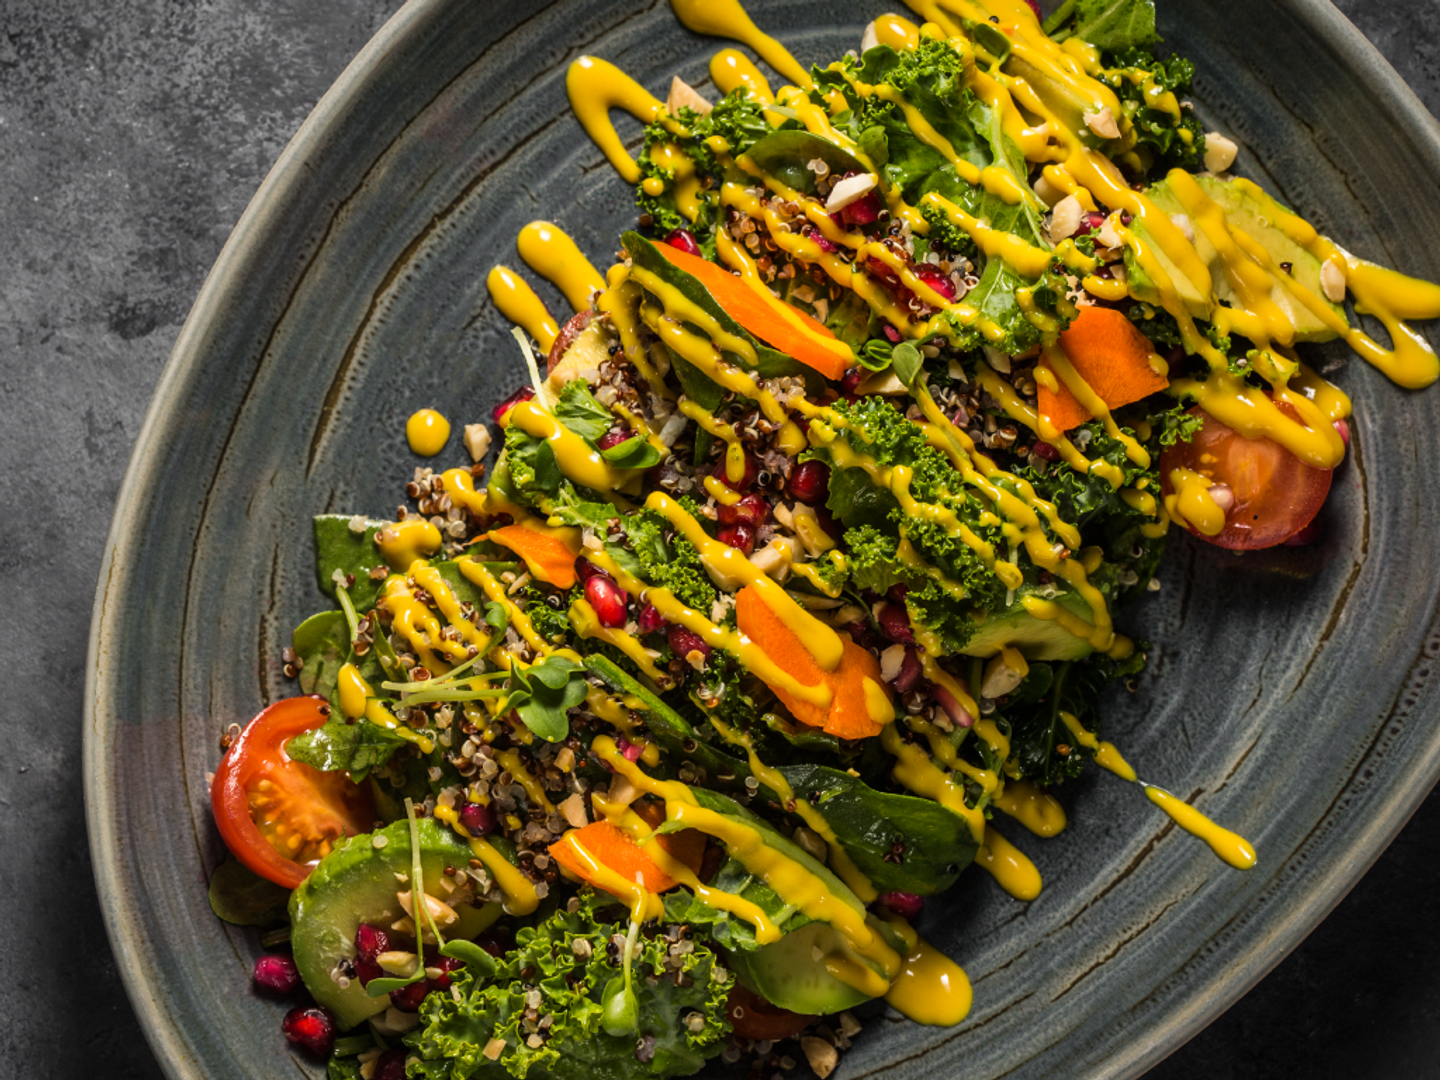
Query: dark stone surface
{"points": [[133, 135]]}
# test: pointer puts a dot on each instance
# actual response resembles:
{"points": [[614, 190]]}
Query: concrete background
{"points": [[132, 135]]}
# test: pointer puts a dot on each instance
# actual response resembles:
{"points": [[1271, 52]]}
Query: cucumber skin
{"points": [[356, 883]]}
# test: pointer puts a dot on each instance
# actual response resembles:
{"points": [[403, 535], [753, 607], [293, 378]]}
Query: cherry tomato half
{"points": [[753, 1017], [281, 817], [1275, 493]]}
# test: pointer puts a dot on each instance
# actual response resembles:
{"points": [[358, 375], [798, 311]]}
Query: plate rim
{"points": [[246, 244]]}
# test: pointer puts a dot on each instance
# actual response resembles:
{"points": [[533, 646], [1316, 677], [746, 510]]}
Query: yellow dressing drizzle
{"points": [[517, 301], [550, 252], [1232, 848], [595, 87], [1035, 809], [732, 69], [929, 988], [727, 19], [1011, 870], [427, 432], [402, 542]]}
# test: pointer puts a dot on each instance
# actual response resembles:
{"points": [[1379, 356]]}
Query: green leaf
{"points": [[578, 410], [635, 452], [554, 672], [242, 897], [1116, 25], [785, 155], [338, 547], [906, 360], [322, 642], [729, 931], [354, 748], [474, 957]]}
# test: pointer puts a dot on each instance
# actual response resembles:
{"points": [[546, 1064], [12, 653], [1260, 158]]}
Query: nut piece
{"points": [[1332, 281], [891, 661], [396, 962], [683, 94], [869, 39], [849, 190], [1103, 123], [443, 914], [477, 440], [1048, 192], [573, 811], [997, 359], [1000, 679], [1066, 218], [822, 1056], [1219, 152], [812, 842], [493, 1049]]}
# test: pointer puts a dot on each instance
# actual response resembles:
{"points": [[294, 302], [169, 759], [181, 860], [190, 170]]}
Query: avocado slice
{"points": [[357, 883], [787, 974], [1036, 639], [1249, 209]]}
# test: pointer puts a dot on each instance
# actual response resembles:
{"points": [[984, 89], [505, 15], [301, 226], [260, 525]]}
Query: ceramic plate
{"points": [[1291, 696]]}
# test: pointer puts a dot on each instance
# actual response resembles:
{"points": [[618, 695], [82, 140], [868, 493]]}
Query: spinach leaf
{"points": [[1116, 25], [339, 548], [786, 154], [322, 643], [243, 898], [578, 410], [339, 746], [635, 452], [730, 931]]}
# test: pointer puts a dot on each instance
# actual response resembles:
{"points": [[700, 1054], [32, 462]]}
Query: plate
{"points": [[1292, 695]]}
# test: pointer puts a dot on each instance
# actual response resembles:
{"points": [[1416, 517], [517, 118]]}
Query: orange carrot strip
{"points": [[1112, 356], [546, 553], [686, 846], [848, 716], [612, 846], [743, 303]]}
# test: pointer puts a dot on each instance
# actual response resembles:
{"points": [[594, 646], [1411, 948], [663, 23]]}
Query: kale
{"points": [[1037, 731], [1160, 135], [568, 959], [551, 622], [739, 119], [1083, 498], [529, 474], [1175, 424], [672, 563]]}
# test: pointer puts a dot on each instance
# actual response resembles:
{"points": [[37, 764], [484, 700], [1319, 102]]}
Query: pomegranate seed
{"points": [[684, 240], [370, 941], [607, 599], [824, 243], [365, 970], [629, 749], [650, 620], [863, 210], [862, 635], [895, 624], [408, 998], [1045, 451], [909, 673], [478, 820], [752, 469], [277, 972], [445, 965], [739, 535], [751, 510], [614, 437], [390, 1065], [1034, 5], [525, 393], [891, 334], [898, 592], [585, 569], [312, 1027], [683, 642], [1344, 429], [937, 281], [838, 218], [905, 904], [882, 272], [809, 482], [853, 378]]}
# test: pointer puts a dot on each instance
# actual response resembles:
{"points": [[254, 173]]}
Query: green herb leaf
{"points": [[1116, 25], [243, 898], [635, 452], [340, 548], [906, 360], [336, 746], [322, 643]]}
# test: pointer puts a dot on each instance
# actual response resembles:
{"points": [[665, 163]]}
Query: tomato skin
{"points": [[753, 1017], [322, 805], [1276, 494]]}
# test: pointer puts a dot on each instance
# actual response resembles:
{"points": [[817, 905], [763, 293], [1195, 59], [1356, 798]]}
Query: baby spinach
{"points": [[340, 548]]}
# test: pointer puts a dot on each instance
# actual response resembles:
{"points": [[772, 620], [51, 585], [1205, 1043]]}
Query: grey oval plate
{"points": [[1292, 695]]}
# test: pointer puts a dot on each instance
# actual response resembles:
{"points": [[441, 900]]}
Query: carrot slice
{"points": [[611, 845], [547, 552], [1112, 356], [686, 846], [849, 715], [758, 314]]}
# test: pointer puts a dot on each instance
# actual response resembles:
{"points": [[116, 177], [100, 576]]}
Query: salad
{"points": [[791, 567]]}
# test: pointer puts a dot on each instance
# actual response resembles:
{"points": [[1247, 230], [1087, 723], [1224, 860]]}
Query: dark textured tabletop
{"points": [[132, 135]]}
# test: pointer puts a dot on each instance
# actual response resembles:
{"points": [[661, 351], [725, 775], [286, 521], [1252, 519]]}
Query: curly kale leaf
{"points": [[529, 474], [1174, 425], [550, 620], [682, 1013], [1089, 497], [739, 119], [1159, 133], [1037, 732], [672, 563]]}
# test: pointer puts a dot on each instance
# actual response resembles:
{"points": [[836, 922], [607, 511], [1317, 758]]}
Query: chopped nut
{"points": [[812, 842], [573, 811], [1000, 678], [683, 94], [397, 962], [477, 440], [822, 1056], [849, 190], [849, 1026], [1049, 194], [1332, 281], [1219, 152], [493, 1049], [1103, 123], [869, 39], [443, 914]]}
